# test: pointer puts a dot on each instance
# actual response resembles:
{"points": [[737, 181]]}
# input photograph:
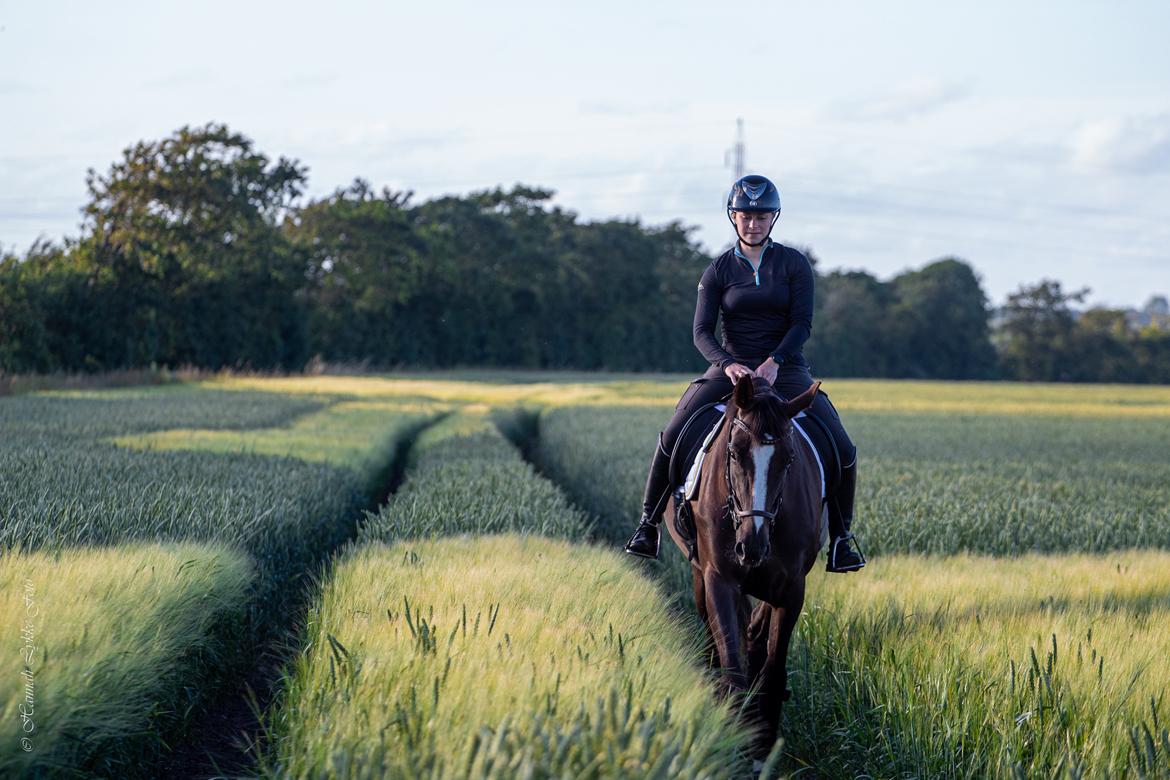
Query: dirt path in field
{"points": [[225, 736]]}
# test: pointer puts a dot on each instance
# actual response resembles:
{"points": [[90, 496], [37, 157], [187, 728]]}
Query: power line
{"points": [[1061, 208], [968, 212], [902, 231], [831, 197]]}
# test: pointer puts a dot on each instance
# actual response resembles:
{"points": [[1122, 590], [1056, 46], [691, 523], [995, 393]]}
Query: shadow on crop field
{"points": [[228, 736], [586, 674], [248, 477]]}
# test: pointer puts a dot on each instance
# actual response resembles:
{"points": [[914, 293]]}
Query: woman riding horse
{"points": [[764, 291]]}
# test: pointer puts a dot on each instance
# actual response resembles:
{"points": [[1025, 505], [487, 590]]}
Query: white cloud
{"points": [[1131, 144], [182, 80], [13, 87], [627, 108], [910, 99]]}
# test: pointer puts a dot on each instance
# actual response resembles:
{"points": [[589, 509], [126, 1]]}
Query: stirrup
{"points": [[851, 562]]}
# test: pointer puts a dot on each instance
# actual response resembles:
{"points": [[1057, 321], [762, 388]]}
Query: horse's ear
{"points": [[802, 401], [745, 392]]}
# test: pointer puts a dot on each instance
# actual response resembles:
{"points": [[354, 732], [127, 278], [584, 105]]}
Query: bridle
{"points": [[736, 514]]}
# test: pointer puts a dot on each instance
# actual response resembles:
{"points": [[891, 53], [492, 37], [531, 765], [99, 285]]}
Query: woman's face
{"points": [[753, 225]]}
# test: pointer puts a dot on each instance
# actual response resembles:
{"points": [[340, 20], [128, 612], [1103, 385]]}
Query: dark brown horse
{"points": [[759, 524]]}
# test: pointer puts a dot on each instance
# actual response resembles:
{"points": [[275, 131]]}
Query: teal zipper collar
{"points": [[755, 269]]}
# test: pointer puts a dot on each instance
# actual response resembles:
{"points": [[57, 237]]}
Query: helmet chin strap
{"points": [[767, 235]]}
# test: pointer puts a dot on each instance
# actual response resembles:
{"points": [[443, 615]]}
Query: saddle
{"points": [[695, 440]]}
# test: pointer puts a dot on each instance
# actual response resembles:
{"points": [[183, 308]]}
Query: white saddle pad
{"points": [[691, 485]]}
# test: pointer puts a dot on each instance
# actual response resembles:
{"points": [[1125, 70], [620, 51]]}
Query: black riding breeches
{"points": [[791, 381]]}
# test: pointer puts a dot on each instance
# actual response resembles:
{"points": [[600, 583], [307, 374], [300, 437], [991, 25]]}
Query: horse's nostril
{"points": [[767, 549], [739, 550]]}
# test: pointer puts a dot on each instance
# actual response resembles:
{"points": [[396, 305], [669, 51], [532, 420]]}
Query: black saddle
{"points": [[695, 433], [825, 445], [698, 426], [690, 439]]}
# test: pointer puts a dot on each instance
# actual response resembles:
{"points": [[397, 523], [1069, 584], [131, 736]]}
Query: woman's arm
{"points": [[706, 310], [800, 307]]}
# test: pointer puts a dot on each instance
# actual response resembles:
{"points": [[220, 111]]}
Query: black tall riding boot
{"points": [[644, 542], [843, 557]]}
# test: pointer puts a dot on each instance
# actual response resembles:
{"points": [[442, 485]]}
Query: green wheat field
{"points": [[465, 611]]}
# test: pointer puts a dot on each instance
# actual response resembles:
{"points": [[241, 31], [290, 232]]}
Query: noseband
{"points": [[736, 514]]}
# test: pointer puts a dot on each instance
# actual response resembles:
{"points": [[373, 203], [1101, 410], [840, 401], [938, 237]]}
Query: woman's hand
{"points": [[735, 370], [767, 371]]}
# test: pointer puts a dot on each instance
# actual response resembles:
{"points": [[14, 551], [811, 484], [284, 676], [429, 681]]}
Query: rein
{"points": [[736, 514]]}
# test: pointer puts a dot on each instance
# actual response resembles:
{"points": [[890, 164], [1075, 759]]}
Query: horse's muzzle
{"points": [[753, 554]]}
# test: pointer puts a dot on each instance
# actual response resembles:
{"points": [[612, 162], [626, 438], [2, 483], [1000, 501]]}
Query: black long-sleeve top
{"points": [[765, 314]]}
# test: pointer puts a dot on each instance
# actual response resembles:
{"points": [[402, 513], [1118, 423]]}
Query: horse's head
{"points": [[760, 449]]}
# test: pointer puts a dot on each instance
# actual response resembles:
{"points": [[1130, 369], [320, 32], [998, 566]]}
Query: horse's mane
{"points": [[766, 416]]}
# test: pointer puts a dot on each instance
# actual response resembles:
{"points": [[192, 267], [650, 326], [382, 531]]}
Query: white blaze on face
{"points": [[762, 455]]}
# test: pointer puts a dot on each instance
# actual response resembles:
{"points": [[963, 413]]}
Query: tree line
{"points": [[197, 250]]}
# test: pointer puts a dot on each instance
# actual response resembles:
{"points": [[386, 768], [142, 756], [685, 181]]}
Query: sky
{"points": [[1031, 140]]}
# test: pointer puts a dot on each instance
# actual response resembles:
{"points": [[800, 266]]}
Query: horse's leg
{"points": [[723, 615], [745, 614], [701, 608], [758, 633], [774, 685], [757, 640]]}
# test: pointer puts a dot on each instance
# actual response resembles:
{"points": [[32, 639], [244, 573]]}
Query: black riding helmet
{"points": [[753, 193]]}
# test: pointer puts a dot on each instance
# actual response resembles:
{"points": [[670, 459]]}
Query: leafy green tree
{"points": [[678, 264], [1151, 355], [849, 335], [613, 307], [1036, 338], [488, 262], [23, 338], [48, 311], [365, 263], [1102, 344], [939, 323], [184, 234]]}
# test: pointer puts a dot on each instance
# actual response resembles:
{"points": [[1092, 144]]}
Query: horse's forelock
{"points": [[766, 417]]}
